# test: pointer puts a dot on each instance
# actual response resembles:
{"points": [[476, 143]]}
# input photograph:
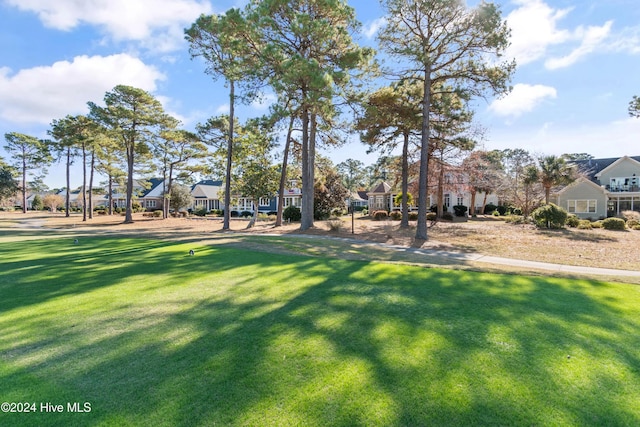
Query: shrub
{"points": [[217, 212], [157, 213], [516, 211], [448, 216], [337, 212], [502, 210], [495, 213], [632, 223], [379, 215], [431, 216], [37, 203], [365, 211], [596, 224], [292, 213], [234, 214], [413, 216], [614, 224], [573, 220], [636, 227], [549, 216], [137, 207], [489, 208], [202, 211], [396, 215], [584, 224], [460, 210], [631, 215]]}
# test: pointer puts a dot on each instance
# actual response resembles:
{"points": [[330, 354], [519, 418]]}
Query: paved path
{"points": [[463, 257]]}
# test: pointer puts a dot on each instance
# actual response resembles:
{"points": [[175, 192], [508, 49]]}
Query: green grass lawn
{"points": [[148, 335]]}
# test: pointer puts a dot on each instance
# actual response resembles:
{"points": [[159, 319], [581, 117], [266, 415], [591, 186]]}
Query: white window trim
{"points": [[572, 206]]}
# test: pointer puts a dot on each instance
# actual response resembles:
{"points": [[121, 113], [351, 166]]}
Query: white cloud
{"points": [[41, 94], [522, 99], [372, 28], [591, 39], [534, 29], [158, 24]]}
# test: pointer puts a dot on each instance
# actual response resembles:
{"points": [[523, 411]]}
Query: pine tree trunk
{"points": [[283, 175], [421, 228]]}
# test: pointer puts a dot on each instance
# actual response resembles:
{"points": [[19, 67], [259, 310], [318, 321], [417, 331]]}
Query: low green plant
{"points": [[596, 224], [431, 216], [614, 224], [447, 216], [460, 210], [200, 211], [549, 216], [396, 215], [157, 213], [636, 227], [584, 224], [632, 223], [292, 214], [413, 216], [572, 220], [365, 211], [489, 208]]}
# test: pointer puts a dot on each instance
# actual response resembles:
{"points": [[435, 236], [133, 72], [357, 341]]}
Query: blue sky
{"points": [[578, 67]]}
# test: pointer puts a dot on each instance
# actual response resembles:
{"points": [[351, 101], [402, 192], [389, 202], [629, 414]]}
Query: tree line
{"points": [[443, 54]]}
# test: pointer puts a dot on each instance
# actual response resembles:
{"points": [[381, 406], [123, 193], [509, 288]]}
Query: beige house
{"points": [[607, 188]]}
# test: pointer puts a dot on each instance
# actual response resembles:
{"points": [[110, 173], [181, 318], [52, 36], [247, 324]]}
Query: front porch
{"points": [[620, 202]]}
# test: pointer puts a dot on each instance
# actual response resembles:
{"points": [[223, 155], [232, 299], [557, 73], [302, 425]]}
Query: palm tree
{"points": [[553, 171]]}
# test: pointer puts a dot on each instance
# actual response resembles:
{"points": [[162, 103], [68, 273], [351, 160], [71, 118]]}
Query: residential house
{"points": [[606, 188], [359, 199], [207, 194], [382, 196], [149, 193]]}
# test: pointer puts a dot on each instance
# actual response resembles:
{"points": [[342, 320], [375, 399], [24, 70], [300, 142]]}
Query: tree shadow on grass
{"points": [[331, 342]]}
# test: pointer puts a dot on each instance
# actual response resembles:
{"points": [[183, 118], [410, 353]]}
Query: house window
{"points": [[150, 203], [581, 206], [460, 199], [447, 200], [264, 201], [292, 201]]}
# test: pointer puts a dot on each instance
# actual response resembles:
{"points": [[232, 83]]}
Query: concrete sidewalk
{"points": [[463, 257]]}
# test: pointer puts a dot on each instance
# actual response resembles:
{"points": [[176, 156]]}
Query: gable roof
{"points": [[593, 168], [580, 181], [383, 187], [154, 183], [620, 160], [206, 189]]}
